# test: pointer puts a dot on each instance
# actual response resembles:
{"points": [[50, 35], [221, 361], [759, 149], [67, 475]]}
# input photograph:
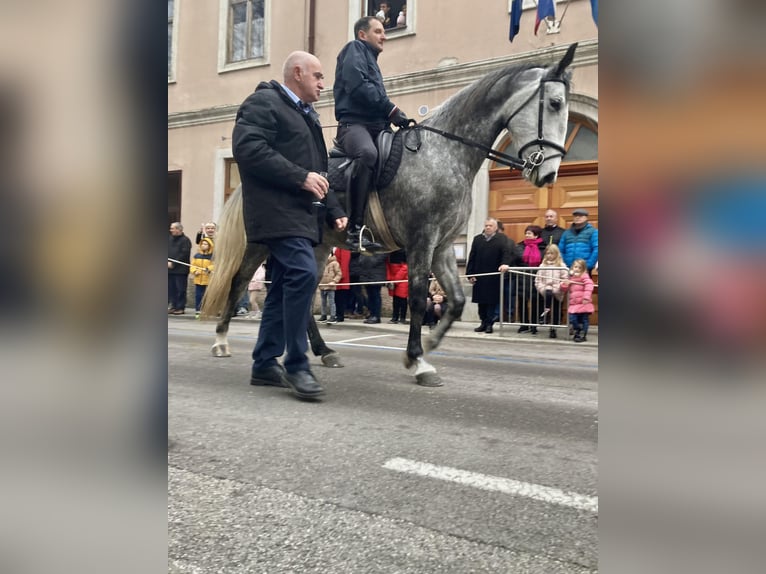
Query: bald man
{"points": [[279, 147]]}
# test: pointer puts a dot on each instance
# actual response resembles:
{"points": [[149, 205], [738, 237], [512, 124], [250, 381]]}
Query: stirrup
{"points": [[373, 246]]}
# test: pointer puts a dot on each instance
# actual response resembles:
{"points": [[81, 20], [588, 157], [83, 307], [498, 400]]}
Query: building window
{"points": [[231, 177], [170, 39], [393, 13], [246, 30]]}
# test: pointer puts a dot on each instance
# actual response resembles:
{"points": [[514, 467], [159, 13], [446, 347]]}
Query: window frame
{"points": [[225, 31], [173, 21], [358, 9]]}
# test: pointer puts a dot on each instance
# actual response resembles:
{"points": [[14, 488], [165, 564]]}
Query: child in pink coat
{"points": [[580, 287]]}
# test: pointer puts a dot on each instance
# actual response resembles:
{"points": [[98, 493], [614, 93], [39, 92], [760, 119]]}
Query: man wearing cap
{"points": [[580, 241]]}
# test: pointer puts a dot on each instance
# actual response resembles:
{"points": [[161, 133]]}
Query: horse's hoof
{"points": [[408, 362], [332, 360], [220, 351], [428, 380]]}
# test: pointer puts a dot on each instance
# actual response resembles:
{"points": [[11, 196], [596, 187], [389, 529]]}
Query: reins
{"points": [[535, 159]]}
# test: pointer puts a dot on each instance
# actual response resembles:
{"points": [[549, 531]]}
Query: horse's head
{"points": [[538, 123]]}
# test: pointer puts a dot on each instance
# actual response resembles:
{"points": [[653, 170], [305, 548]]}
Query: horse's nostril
{"points": [[550, 178]]}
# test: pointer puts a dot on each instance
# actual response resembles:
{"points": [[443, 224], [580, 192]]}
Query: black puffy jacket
{"points": [[360, 96], [275, 145]]}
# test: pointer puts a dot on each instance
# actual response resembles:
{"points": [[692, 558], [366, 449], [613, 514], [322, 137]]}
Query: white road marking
{"points": [[362, 338], [495, 483]]}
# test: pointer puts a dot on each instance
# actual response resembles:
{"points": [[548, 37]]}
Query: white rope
{"points": [[398, 280]]}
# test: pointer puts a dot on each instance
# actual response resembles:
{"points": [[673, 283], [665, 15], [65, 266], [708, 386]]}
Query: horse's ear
{"points": [[565, 62]]}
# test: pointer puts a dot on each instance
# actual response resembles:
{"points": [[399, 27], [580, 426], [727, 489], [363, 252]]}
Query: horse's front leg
{"points": [[425, 374], [445, 269], [330, 358]]}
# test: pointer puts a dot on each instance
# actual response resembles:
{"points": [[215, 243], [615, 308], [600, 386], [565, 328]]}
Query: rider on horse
{"points": [[363, 110]]}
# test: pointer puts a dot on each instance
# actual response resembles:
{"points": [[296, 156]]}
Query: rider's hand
{"points": [[399, 118]]}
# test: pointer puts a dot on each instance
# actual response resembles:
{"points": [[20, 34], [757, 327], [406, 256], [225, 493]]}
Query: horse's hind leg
{"points": [[330, 358], [255, 254], [445, 269]]}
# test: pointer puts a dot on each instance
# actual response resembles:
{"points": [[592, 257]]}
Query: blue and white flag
{"points": [[545, 8]]}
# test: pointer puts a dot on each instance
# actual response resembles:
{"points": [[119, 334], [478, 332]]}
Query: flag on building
{"points": [[545, 8], [594, 10], [515, 19]]}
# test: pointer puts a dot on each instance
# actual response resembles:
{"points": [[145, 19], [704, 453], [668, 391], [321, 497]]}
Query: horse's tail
{"points": [[229, 251]]}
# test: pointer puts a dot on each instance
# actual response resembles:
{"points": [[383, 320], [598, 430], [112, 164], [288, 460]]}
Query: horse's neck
{"points": [[478, 119]]}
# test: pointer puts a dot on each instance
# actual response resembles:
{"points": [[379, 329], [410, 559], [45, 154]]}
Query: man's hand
{"points": [[340, 223], [316, 184], [399, 118], [472, 279]]}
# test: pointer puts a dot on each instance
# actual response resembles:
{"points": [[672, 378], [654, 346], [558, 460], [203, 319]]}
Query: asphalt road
{"points": [[496, 471]]}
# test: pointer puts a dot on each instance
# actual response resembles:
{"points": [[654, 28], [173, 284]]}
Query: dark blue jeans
{"points": [[199, 293], [177, 290], [580, 322], [287, 305]]}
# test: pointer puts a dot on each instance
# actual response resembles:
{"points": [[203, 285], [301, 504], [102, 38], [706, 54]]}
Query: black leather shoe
{"points": [[481, 328], [269, 377], [489, 330], [303, 384], [372, 320]]}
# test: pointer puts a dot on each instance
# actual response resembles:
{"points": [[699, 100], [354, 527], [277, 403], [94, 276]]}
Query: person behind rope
{"points": [[490, 252], [580, 241], [201, 268], [531, 250], [363, 110], [179, 249], [580, 287], [278, 144], [548, 284]]}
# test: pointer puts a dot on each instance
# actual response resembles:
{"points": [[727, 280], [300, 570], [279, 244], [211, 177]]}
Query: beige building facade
{"points": [[219, 50]]}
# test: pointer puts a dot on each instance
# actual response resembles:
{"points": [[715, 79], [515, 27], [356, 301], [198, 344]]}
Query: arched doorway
{"points": [[517, 204]]}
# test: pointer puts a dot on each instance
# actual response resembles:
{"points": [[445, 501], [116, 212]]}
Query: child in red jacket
{"points": [[398, 289], [580, 287]]}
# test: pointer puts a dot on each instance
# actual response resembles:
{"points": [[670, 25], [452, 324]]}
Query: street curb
{"points": [[459, 330]]}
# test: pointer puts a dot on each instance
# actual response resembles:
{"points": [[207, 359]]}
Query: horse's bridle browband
{"points": [[534, 159]]}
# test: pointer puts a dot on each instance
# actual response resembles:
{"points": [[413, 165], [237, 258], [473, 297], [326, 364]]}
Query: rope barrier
{"points": [[401, 280]]}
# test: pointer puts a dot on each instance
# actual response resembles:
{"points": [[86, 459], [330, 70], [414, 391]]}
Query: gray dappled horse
{"points": [[428, 202]]}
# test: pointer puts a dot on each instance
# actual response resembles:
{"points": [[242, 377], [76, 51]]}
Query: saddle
{"points": [[340, 168]]}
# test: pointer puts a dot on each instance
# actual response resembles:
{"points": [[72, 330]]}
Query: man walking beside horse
{"points": [[277, 143]]}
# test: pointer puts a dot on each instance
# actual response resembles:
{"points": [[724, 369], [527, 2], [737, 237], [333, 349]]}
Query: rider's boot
{"points": [[357, 195]]}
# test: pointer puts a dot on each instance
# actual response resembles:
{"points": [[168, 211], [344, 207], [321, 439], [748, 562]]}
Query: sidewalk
{"points": [[459, 329]]}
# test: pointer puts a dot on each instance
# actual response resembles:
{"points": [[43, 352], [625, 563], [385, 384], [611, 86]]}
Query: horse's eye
{"points": [[556, 104]]}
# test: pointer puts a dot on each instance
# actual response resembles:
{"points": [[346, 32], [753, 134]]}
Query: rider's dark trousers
{"points": [[358, 141], [287, 305]]}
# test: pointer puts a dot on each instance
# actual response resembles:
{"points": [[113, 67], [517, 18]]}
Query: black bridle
{"points": [[533, 160]]}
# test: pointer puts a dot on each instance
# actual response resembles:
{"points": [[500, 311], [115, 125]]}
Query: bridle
{"points": [[533, 160]]}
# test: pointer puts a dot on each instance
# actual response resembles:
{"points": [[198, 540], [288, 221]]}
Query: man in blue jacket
{"points": [[278, 145], [580, 241], [363, 110]]}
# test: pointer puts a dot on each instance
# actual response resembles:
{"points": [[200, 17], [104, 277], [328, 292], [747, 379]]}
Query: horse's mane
{"points": [[462, 104]]}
